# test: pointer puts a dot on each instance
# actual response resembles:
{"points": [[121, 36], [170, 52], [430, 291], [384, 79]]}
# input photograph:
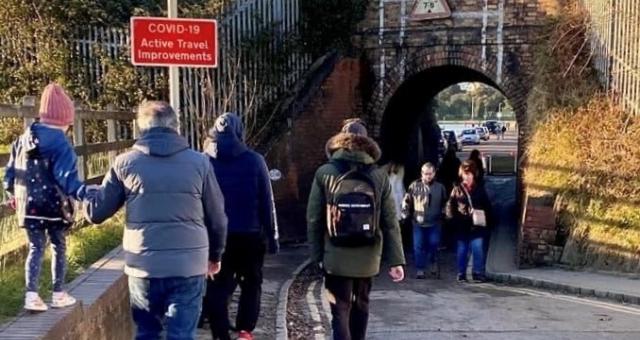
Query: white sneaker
{"points": [[62, 299], [33, 302]]}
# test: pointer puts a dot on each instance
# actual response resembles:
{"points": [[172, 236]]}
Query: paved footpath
{"points": [[445, 309], [277, 270]]}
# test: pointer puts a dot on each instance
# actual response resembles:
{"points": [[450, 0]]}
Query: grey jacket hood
{"points": [[161, 142]]}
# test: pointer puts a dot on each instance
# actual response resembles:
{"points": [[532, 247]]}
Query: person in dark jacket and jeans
{"points": [[476, 158], [466, 197], [424, 205], [40, 177], [349, 270], [244, 180], [175, 223]]}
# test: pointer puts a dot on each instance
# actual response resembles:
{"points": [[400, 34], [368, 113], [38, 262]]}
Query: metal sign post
{"points": [[174, 73]]}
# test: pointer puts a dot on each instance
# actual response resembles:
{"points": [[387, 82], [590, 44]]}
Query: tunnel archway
{"points": [[407, 133], [466, 63], [399, 105]]}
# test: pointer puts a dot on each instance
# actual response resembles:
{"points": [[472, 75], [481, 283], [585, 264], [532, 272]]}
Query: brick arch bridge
{"points": [[490, 41], [404, 62], [433, 69]]}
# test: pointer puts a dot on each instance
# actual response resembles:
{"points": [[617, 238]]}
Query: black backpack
{"points": [[352, 207], [36, 187]]}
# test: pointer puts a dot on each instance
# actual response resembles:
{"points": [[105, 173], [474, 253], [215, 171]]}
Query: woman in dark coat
{"points": [[470, 232], [475, 157]]}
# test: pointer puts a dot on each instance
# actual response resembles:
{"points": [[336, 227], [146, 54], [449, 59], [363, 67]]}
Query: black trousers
{"points": [[241, 265], [349, 300]]}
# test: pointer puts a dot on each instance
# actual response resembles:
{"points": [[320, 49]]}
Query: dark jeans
{"points": [[473, 242], [426, 241], [241, 265], [174, 301], [36, 232], [349, 299]]}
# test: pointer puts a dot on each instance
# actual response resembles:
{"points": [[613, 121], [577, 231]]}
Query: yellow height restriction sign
{"points": [[430, 9]]}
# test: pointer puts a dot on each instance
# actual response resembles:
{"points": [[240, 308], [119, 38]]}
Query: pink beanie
{"points": [[56, 108]]}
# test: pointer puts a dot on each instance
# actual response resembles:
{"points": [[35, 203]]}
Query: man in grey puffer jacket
{"points": [[175, 223]]}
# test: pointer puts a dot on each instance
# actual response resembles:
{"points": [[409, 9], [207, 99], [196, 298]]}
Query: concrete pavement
{"points": [[445, 309]]}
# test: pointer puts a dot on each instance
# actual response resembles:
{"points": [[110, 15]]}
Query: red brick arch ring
{"points": [[512, 86]]}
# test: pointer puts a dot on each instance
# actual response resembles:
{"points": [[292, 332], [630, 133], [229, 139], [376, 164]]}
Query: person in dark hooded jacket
{"points": [[244, 181], [349, 270]]}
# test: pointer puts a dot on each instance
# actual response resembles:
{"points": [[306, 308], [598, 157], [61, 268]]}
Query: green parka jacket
{"points": [[359, 262]]}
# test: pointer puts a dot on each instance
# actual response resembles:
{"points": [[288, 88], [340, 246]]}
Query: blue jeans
{"points": [[173, 301], [476, 243], [36, 232], [426, 241]]}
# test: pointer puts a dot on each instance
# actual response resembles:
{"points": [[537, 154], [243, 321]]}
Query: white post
{"points": [[174, 74], [78, 140], [29, 101], [111, 134], [471, 97]]}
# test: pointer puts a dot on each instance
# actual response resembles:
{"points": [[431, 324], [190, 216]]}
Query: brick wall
{"points": [[538, 234], [301, 151]]}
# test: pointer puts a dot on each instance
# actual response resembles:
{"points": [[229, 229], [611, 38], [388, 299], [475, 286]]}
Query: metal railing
{"points": [[615, 46]]}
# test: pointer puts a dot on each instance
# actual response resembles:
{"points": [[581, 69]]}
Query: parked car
{"points": [[492, 126], [452, 139], [483, 132], [470, 136]]}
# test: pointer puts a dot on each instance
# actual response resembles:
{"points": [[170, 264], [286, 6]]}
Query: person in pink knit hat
{"points": [[42, 177]]}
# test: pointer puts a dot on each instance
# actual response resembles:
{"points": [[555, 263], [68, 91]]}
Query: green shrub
{"points": [[588, 157], [563, 74]]}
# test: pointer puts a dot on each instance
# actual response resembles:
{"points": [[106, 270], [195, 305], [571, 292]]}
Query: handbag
{"points": [[477, 215]]}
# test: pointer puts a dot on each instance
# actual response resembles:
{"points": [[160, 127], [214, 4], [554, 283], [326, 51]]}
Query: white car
{"points": [[470, 136], [483, 132]]}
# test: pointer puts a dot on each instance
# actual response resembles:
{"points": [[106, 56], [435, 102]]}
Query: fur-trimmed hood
{"points": [[354, 147]]}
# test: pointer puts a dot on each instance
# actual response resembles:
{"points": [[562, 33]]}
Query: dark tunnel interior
{"points": [[409, 133]]}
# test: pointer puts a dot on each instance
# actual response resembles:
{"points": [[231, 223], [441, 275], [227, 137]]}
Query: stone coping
{"points": [[87, 288]]}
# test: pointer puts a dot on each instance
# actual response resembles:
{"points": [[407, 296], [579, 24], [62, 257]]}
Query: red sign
{"points": [[174, 42]]}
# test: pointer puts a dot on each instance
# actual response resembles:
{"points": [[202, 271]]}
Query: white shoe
{"points": [[33, 302], [62, 299]]}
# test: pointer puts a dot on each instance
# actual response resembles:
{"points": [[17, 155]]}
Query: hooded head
{"points": [[228, 124], [354, 127], [56, 108], [353, 144], [227, 136]]}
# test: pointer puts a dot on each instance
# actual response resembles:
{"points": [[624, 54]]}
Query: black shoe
{"points": [[420, 275], [461, 278], [435, 271], [478, 278]]}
